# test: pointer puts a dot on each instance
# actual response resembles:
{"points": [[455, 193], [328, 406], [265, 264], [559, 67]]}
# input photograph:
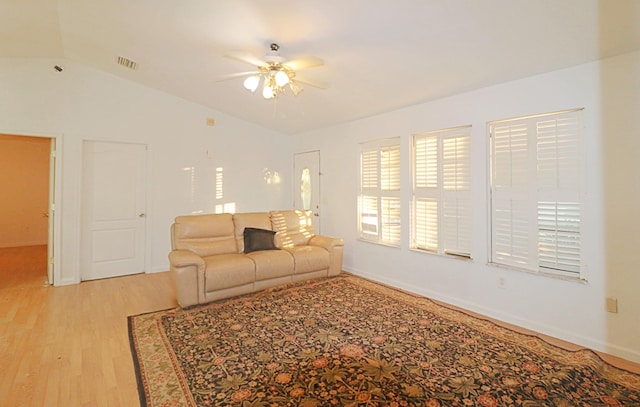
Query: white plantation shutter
{"points": [[456, 192], [558, 158], [426, 224], [559, 236], [558, 154], [442, 191], [425, 150], [390, 168], [425, 192], [536, 193], [369, 170], [510, 232], [510, 194], [369, 217], [379, 201], [390, 220]]}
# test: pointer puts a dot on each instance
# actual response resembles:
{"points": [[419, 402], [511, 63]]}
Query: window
{"points": [[379, 199], [441, 221], [305, 189], [536, 194]]}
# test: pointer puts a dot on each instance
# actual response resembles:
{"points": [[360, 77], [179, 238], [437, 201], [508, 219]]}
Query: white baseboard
{"points": [[590, 343]]}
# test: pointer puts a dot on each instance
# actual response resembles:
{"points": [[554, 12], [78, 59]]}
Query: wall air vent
{"points": [[127, 63]]}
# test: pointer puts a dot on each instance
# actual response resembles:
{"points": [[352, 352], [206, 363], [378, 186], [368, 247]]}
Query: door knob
{"points": [[142, 215], [316, 214]]}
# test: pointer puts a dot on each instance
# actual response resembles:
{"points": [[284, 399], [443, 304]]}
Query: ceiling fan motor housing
{"points": [[273, 56]]}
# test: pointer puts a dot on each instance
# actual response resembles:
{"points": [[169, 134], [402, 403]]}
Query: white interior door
{"points": [[306, 184], [113, 210]]}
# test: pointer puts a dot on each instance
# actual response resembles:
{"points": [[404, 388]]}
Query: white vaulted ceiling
{"points": [[379, 55]]}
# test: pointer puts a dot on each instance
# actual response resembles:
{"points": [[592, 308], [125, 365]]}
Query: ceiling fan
{"points": [[275, 73]]}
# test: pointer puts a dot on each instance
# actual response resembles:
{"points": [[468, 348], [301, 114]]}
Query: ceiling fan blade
{"points": [[246, 58], [304, 63], [227, 77], [312, 82]]}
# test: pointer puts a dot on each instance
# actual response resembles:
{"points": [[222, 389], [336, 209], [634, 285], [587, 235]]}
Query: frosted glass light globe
{"points": [[281, 78], [252, 82], [267, 92]]}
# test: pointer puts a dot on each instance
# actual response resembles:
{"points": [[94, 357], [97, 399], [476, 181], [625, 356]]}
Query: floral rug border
{"points": [[158, 388]]}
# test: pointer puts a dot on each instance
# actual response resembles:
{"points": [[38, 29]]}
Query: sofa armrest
{"points": [[184, 258], [187, 270], [326, 242], [335, 247]]}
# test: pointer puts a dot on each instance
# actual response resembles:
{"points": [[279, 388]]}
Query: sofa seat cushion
{"points": [[309, 258], [272, 263], [228, 270]]}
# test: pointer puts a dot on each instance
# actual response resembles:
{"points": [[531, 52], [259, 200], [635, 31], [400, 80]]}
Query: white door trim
{"points": [[55, 192]]}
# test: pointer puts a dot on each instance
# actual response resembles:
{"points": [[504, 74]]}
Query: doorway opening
{"points": [[27, 165]]}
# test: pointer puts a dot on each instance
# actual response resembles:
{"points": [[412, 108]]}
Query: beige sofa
{"points": [[208, 260]]}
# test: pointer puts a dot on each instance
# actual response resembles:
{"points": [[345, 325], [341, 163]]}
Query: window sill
{"points": [[576, 279], [379, 244], [447, 255]]}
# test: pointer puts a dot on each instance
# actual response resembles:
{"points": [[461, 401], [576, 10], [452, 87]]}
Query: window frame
{"points": [[535, 199], [432, 191]]}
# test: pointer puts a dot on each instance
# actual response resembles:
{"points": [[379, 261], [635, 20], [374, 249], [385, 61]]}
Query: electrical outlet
{"points": [[501, 282], [612, 305]]}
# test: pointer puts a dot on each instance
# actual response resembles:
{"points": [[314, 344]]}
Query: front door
{"points": [[306, 182], [113, 209]]}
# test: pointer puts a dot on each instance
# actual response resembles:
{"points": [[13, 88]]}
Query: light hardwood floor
{"points": [[69, 346]]}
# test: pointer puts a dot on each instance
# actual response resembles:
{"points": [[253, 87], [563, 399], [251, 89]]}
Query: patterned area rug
{"points": [[346, 341]]}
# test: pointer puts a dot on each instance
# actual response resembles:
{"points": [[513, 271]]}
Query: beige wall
{"points": [[24, 186]]}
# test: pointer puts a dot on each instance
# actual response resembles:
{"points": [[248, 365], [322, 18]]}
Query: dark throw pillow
{"points": [[258, 239]]}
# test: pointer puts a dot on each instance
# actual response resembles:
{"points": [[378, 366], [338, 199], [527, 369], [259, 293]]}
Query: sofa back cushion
{"points": [[204, 235], [294, 227], [257, 220]]}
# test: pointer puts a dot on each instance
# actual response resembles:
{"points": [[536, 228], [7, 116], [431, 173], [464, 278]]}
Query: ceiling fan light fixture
{"points": [[282, 78], [252, 82], [274, 73], [267, 91], [295, 88]]}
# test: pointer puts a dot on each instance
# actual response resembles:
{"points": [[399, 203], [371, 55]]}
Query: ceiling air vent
{"points": [[127, 63]]}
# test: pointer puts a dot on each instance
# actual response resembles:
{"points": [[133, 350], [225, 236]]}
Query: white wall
{"points": [[570, 310], [84, 104]]}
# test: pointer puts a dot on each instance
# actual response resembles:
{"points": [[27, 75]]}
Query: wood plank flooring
{"points": [[69, 346]]}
